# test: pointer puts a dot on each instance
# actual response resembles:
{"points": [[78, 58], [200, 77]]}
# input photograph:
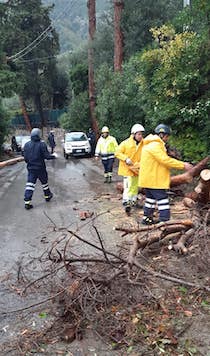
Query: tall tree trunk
{"points": [[38, 104], [91, 4], [25, 114], [118, 35]]}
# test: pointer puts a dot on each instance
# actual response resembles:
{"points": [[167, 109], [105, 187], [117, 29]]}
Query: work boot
{"points": [[147, 220], [127, 206], [48, 197], [28, 206], [137, 205]]}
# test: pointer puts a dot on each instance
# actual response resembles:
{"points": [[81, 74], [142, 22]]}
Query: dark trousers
{"points": [[160, 197], [33, 175], [108, 166]]}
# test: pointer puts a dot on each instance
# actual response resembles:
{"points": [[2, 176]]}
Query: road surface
{"points": [[75, 184]]}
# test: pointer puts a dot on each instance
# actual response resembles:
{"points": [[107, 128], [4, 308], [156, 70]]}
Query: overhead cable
{"points": [[41, 36]]}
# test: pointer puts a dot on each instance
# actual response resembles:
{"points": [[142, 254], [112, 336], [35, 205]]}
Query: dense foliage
{"points": [[33, 67]]}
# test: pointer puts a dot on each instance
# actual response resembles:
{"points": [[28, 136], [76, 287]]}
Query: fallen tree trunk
{"points": [[162, 226], [187, 177]]}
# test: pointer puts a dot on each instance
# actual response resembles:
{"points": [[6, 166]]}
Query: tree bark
{"points": [[118, 35], [188, 176], [91, 4], [25, 114], [38, 104]]}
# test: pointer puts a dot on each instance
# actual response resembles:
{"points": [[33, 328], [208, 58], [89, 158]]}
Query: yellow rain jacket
{"points": [[156, 164], [128, 149], [106, 146]]}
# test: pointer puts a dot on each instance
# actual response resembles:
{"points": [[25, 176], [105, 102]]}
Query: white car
{"points": [[76, 144]]}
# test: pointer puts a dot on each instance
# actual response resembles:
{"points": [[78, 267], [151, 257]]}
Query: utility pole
{"points": [[118, 35], [91, 4]]}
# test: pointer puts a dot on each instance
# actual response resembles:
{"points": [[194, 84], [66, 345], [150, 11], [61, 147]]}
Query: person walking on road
{"points": [[154, 174], [92, 139], [35, 153], [129, 154], [14, 144], [51, 141], [105, 148]]}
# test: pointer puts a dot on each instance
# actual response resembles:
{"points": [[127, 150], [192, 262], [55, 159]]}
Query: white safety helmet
{"points": [[137, 128], [105, 129]]}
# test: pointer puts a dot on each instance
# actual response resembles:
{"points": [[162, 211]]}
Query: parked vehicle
{"points": [[76, 144]]}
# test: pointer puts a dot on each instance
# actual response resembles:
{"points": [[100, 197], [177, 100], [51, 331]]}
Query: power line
{"points": [[41, 36], [39, 58]]}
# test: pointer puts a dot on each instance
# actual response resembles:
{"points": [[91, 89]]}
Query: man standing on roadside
{"points": [[154, 174], [129, 153], [35, 153], [105, 148], [51, 140]]}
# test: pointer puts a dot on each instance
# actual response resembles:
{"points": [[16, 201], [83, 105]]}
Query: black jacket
{"points": [[35, 153]]}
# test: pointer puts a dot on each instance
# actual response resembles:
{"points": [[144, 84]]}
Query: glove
{"points": [[128, 162], [55, 155]]}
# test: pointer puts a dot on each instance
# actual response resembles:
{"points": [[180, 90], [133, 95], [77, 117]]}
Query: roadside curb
{"points": [[11, 161]]}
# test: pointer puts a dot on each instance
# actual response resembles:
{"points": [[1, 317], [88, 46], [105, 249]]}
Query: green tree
{"points": [[140, 15], [37, 66], [119, 99], [78, 116], [174, 83]]}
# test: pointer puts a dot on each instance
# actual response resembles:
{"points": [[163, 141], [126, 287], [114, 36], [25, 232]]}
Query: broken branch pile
{"points": [[97, 291]]}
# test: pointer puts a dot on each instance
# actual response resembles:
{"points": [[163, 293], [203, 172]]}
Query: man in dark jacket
{"points": [[92, 139], [35, 153], [51, 141]]}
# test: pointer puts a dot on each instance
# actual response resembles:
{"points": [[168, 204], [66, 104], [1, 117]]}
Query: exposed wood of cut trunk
{"points": [[203, 188]]}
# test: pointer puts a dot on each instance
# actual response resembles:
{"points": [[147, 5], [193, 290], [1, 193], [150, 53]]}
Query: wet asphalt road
{"points": [[70, 180], [76, 184]]}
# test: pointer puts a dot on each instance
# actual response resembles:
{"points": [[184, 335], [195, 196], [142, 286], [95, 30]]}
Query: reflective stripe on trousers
{"points": [[160, 197], [33, 175]]}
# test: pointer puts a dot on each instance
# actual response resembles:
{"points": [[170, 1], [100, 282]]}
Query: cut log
{"points": [[180, 245], [187, 177], [203, 187], [189, 202]]}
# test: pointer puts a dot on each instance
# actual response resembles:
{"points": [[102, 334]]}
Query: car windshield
{"points": [[19, 139], [76, 136]]}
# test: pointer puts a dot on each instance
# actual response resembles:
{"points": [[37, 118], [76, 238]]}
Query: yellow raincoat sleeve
{"points": [[120, 151], [161, 156]]}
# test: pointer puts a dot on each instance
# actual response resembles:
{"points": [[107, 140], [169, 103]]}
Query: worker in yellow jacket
{"points": [[105, 148], [129, 153], [155, 174]]}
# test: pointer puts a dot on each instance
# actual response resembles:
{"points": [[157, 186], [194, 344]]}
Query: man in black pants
{"points": [[35, 153]]}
